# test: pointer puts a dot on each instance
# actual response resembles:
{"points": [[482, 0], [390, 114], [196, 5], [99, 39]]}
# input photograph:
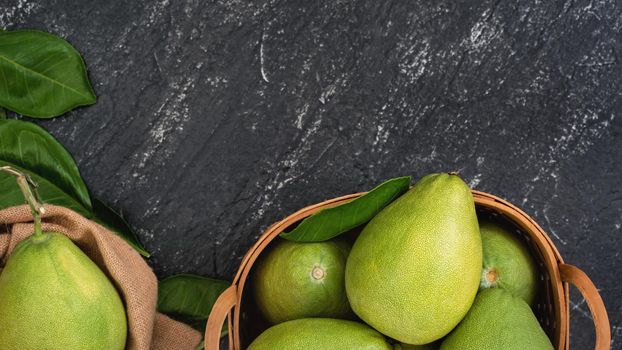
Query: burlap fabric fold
{"points": [[133, 278]]}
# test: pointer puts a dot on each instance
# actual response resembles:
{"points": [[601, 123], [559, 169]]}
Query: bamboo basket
{"points": [[551, 308]]}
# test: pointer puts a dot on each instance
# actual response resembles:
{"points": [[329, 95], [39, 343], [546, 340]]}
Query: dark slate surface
{"points": [[215, 118]]}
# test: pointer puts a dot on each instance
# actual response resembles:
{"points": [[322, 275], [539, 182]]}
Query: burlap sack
{"points": [[131, 275]]}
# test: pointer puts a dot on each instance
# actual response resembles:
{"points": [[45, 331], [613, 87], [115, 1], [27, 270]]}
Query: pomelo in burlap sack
{"points": [[52, 296], [123, 266]]}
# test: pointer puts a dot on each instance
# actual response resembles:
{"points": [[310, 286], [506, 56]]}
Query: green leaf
{"points": [[31, 149], [106, 216], [2, 113], [334, 221], [41, 75], [190, 297]]}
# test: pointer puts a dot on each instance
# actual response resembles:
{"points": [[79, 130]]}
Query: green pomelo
{"points": [[52, 296], [414, 270], [320, 334], [507, 263], [300, 280], [498, 321]]}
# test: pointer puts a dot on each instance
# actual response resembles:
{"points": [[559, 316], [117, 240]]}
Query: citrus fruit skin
{"points": [[498, 321], [320, 334], [52, 296], [414, 270], [299, 280], [507, 263]]}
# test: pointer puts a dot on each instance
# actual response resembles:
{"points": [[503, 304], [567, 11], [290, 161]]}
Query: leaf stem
{"points": [[29, 190]]}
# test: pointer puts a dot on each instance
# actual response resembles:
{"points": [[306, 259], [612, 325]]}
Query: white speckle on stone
{"points": [[306, 65], [300, 114], [482, 32], [476, 33], [262, 59], [579, 307], [171, 117], [280, 179], [382, 134], [581, 132], [475, 180], [12, 15], [217, 81], [413, 58], [156, 11], [426, 159], [327, 93], [616, 333], [548, 221], [147, 235], [153, 208]]}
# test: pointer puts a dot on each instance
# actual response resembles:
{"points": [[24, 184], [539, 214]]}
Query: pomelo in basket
{"points": [[299, 280], [320, 334], [415, 269], [498, 321], [52, 296], [507, 263]]}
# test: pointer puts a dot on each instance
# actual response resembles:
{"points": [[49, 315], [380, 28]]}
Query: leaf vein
{"points": [[45, 77]]}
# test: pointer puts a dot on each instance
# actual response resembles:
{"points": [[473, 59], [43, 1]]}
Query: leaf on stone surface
{"points": [[190, 298], [106, 216], [29, 148], [334, 221], [41, 75], [32, 150]]}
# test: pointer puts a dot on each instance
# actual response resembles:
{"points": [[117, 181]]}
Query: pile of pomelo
{"points": [[422, 274]]}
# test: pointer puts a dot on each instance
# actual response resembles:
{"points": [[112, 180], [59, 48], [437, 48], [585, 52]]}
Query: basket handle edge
{"points": [[223, 305], [584, 284]]}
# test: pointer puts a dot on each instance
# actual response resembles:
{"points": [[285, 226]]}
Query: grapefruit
{"points": [[498, 321], [52, 296], [414, 270], [300, 280], [507, 263], [320, 334]]}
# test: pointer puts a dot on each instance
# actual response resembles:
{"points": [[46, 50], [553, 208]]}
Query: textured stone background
{"points": [[215, 118]]}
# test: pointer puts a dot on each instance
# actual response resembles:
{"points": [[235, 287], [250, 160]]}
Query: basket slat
{"points": [[553, 305]]}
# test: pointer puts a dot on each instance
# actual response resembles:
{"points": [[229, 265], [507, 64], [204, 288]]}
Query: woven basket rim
{"points": [[482, 199]]}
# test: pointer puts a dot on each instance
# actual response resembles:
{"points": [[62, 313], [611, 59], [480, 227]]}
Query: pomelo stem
{"points": [[29, 190]]}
